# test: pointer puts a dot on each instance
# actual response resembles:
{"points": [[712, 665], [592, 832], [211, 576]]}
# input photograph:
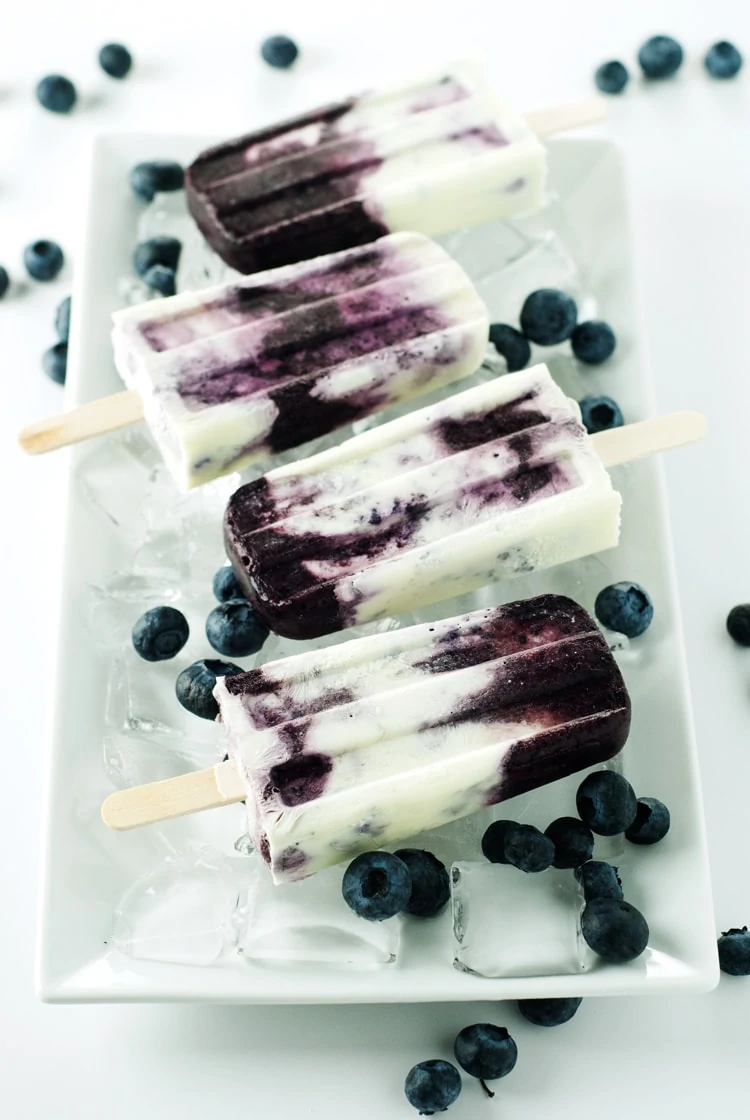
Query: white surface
{"points": [[690, 173]]}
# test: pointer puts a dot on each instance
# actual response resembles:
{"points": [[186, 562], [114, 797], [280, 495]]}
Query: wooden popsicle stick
{"points": [[174, 797], [545, 122], [93, 419], [648, 437]]}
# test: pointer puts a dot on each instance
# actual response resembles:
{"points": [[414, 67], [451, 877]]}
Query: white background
{"points": [[688, 147]]}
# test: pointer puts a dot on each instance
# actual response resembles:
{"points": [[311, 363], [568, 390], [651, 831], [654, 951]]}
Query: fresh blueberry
{"points": [[734, 952], [62, 319], [624, 607], [606, 802], [660, 57], [614, 929], [651, 822], [549, 1012], [156, 176], [160, 633], [432, 1086], [738, 624], [548, 316], [43, 259], [600, 413], [56, 93], [235, 629], [195, 685], [279, 51], [226, 585], [574, 842], [55, 362], [161, 279], [493, 841], [528, 849], [593, 342], [4, 281], [611, 77], [485, 1051], [599, 880], [430, 886], [723, 60], [377, 885], [512, 345], [115, 60], [157, 250]]}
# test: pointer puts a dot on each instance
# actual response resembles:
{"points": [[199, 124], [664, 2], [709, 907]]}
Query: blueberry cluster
{"points": [[58, 94], [379, 885], [661, 57], [55, 360]]}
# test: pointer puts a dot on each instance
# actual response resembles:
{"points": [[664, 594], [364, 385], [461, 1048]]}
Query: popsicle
{"points": [[377, 739]]}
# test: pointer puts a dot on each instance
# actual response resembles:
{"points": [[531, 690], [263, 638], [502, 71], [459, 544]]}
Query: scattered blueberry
{"points": [[738, 624], [157, 250], [528, 849], [376, 886], [651, 822], [115, 60], [43, 259], [574, 842], [279, 51], [723, 60], [226, 585], [55, 362], [430, 886], [593, 342], [160, 633], [512, 345], [195, 685], [624, 607], [161, 279], [612, 77], [235, 629], [549, 1012], [56, 93], [548, 316], [432, 1086], [148, 179], [660, 57], [493, 841], [606, 802], [734, 952], [62, 319], [614, 929], [599, 880], [4, 281], [599, 414], [486, 1052]]}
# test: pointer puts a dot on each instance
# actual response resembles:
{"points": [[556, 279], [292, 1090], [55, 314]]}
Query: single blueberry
{"points": [[598, 414], [195, 685], [549, 1012], [43, 259], [528, 849], [660, 57], [723, 60], [738, 624], [625, 607], [115, 60], [161, 279], [599, 880], [55, 362], [430, 886], [651, 822], [56, 93], [157, 250], [279, 51], [226, 585], [548, 316], [376, 886], [614, 929], [432, 1086], [512, 345], [62, 319], [4, 281], [493, 841], [235, 629], [611, 77], [574, 842], [606, 802], [734, 952], [593, 342], [485, 1051], [155, 176], [160, 633]]}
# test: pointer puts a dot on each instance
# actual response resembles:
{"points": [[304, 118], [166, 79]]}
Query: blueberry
{"points": [[430, 886], [161, 279], [195, 685], [235, 629], [56, 93], [606, 802], [599, 880], [43, 259], [614, 929], [148, 179], [548, 316], [279, 51], [376, 886], [226, 585], [432, 1086], [493, 841], [485, 1051], [723, 60], [593, 342], [528, 849], [62, 319], [512, 345], [55, 362], [651, 822], [4, 281], [549, 1012], [599, 414], [160, 633], [734, 952], [574, 842], [660, 57], [738, 624], [611, 77], [157, 250], [624, 607], [115, 60]]}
